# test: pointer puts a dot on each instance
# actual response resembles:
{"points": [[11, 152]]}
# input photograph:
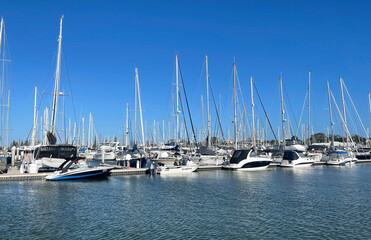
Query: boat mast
{"points": [[234, 105], [33, 140], [207, 105], [140, 107], [331, 122], [89, 131], [253, 113], [203, 117], [135, 110], [7, 120], [57, 75], [1, 31], [309, 109], [83, 133], [343, 102], [283, 115], [127, 124], [177, 96]]}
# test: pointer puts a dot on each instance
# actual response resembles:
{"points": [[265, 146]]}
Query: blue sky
{"points": [[103, 41]]}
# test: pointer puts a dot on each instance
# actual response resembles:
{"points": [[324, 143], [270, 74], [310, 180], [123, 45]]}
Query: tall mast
{"points": [[57, 75], [83, 132], [253, 113], [203, 117], [174, 126], [177, 96], [7, 120], [219, 115], [309, 109], [207, 105], [89, 131], [234, 105], [283, 115], [140, 106], [163, 131], [127, 124], [135, 110], [1, 31], [46, 127], [344, 113], [331, 122], [33, 140]]}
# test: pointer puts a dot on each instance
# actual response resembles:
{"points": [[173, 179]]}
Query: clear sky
{"points": [[103, 41]]}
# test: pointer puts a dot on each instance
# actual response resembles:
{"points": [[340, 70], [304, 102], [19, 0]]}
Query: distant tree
{"points": [[318, 138], [338, 138]]}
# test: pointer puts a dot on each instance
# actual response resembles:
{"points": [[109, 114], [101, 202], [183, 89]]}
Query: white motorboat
{"points": [[248, 160], [77, 170], [341, 158], [295, 159], [167, 170], [109, 149]]}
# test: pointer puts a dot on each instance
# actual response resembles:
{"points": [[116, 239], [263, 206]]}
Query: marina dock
{"points": [[124, 171], [41, 176]]}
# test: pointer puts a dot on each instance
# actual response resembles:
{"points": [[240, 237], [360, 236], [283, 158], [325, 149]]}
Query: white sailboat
{"points": [[339, 157], [292, 157]]}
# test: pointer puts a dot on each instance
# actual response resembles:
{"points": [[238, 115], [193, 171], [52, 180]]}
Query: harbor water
{"points": [[318, 202]]}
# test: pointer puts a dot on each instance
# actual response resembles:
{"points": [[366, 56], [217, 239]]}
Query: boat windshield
{"points": [[239, 155], [80, 165], [338, 155], [301, 154], [290, 155]]}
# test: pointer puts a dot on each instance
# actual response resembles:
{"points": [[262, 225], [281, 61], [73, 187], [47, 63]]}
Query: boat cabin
{"points": [[67, 152]]}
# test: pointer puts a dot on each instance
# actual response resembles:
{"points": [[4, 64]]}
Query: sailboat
{"points": [[52, 155], [339, 157], [248, 160], [292, 157]]}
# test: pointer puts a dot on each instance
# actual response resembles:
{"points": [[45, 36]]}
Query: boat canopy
{"points": [[238, 156], [339, 152], [290, 155], [67, 152]]}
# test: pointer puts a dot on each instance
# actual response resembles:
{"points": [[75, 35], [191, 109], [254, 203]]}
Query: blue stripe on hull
{"points": [[80, 176]]}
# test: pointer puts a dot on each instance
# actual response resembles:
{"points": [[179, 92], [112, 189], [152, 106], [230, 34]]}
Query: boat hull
{"points": [[79, 174]]}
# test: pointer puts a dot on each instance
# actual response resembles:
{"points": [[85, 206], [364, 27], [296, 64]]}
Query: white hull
{"points": [[296, 163], [341, 163], [163, 170], [79, 173], [108, 156]]}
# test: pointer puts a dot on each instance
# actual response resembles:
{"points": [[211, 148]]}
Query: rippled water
{"points": [[319, 202]]}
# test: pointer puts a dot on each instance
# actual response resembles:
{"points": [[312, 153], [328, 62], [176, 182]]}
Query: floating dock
{"points": [[124, 171], [41, 176]]}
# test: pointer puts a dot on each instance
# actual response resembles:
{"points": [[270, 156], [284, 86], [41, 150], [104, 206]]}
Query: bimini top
{"points": [[238, 156], [290, 155]]}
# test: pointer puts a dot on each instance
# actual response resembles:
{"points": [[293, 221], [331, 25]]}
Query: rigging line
{"points": [[353, 123], [266, 114], [342, 120], [301, 114], [69, 81], [243, 104], [184, 119], [185, 94], [351, 100], [288, 98], [216, 109]]}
